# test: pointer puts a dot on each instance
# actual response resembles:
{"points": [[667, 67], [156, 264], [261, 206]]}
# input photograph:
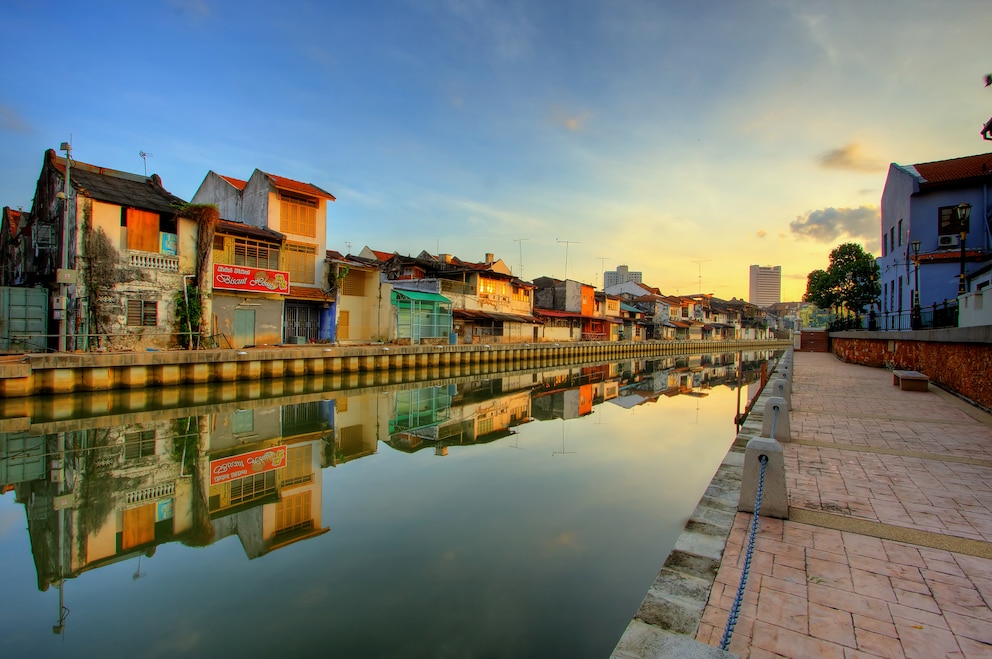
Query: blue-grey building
{"points": [[920, 205]]}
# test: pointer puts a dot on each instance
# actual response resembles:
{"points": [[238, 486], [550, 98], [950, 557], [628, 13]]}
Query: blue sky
{"points": [[686, 140]]}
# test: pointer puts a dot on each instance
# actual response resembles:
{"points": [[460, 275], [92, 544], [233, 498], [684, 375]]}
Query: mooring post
{"points": [[774, 497], [775, 421]]}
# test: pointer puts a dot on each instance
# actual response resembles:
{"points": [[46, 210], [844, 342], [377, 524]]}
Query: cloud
{"points": [[828, 224], [12, 122], [849, 158], [572, 122], [761, 233]]}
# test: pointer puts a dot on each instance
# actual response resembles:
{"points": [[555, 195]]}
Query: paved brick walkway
{"points": [[888, 549]]}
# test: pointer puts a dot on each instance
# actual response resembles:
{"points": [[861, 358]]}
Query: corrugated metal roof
{"points": [[421, 296]]}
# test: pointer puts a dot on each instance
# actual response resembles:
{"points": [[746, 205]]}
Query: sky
{"points": [[685, 140]]}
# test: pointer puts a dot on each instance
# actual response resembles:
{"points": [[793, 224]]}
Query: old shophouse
{"points": [[287, 260]]}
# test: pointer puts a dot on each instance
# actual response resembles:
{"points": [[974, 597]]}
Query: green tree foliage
{"points": [[849, 282]]}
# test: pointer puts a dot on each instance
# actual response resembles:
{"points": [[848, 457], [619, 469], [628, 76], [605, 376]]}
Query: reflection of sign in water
{"points": [[165, 510], [247, 464], [169, 244], [244, 278]]}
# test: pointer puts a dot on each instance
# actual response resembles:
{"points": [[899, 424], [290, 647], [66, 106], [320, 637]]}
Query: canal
{"points": [[513, 514]]}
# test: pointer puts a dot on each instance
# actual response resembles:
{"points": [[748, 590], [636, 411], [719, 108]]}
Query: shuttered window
{"points": [[139, 444], [293, 513], [256, 254], [298, 215], [299, 466], [143, 230], [354, 283], [300, 261], [142, 313]]}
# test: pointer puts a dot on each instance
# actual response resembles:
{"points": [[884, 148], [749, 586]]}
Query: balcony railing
{"points": [[154, 261]]}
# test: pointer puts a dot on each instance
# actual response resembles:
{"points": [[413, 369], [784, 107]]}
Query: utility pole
{"points": [[567, 243], [63, 271], [520, 246]]}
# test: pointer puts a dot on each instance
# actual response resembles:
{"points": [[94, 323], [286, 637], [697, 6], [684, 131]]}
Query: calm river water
{"points": [[522, 514]]}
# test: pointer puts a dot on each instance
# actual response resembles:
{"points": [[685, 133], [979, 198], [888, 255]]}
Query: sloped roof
{"points": [[289, 185], [236, 182], [116, 187], [249, 231], [956, 169]]}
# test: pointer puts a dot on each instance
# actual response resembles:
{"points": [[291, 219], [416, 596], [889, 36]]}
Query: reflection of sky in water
{"points": [[542, 543]]}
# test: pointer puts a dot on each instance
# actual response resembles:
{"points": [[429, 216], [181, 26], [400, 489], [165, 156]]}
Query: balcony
{"points": [[148, 261]]}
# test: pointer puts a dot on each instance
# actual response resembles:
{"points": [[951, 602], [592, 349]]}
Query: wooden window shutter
{"points": [[142, 230]]}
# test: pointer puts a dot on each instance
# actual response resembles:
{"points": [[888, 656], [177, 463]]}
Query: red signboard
{"points": [[247, 464], [255, 280]]}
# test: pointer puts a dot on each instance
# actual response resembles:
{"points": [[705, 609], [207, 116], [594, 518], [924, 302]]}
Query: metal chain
{"points": [[735, 609]]}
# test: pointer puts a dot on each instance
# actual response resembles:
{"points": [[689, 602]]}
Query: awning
{"points": [[421, 296]]}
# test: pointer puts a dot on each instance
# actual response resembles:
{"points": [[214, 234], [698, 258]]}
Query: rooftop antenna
{"points": [[700, 264], [520, 245], [602, 269], [144, 158], [347, 245], [567, 243]]}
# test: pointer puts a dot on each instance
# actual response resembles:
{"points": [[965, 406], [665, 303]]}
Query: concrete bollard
{"points": [[776, 414], [774, 496], [781, 388]]}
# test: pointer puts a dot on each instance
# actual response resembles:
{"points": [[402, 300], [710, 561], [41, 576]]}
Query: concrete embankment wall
{"points": [[957, 359], [29, 375], [665, 624]]}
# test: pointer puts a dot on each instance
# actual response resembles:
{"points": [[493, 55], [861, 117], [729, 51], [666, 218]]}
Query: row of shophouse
{"points": [[104, 259]]}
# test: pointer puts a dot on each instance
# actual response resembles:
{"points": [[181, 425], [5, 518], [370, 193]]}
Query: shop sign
{"points": [[253, 280], [247, 464]]}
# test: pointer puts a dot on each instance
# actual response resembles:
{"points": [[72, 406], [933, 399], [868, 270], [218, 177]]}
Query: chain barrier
{"points": [[735, 609]]}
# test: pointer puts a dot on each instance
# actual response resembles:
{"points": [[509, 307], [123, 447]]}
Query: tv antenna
{"points": [[520, 245], [602, 269], [144, 157], [700, 281], [567, 243]]}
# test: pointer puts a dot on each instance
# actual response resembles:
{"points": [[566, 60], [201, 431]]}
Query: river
{"points": [[520, 514]]}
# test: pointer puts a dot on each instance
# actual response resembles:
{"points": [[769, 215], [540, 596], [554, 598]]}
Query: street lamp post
{"points": [[916, 319], [963, 212]]}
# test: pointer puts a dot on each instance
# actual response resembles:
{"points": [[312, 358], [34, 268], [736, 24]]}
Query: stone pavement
{"points": [[887, 551]]}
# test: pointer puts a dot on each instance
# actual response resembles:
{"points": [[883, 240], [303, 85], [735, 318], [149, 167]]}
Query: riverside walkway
{"points": [[887, 551]]}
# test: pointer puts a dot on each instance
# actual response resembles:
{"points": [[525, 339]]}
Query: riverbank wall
{"points": [[66, 373]]}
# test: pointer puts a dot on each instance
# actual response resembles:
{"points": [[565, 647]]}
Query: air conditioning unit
{"points": [[948, 241]]}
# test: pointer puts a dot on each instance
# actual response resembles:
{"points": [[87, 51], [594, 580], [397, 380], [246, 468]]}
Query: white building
{"points": [[766, 285], [620, 276]]}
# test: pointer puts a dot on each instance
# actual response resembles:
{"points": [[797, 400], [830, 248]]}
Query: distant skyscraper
{"points": [[766, 285], [620, 276]]}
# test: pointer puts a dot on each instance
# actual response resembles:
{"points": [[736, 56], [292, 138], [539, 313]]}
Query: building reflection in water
{"points": [[98, 490]]}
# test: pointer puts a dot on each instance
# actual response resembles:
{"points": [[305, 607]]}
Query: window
{"points": [[255, 254], [298, 215], [219, 244], [885, 244], [293, 514], [354, 283], [885, 296], [300, 261], [252, 487], [299, 466], [947, 221], [242, 422], [900, 233], [139, 444], [900, 294], [142, 313], [892, 237], [144, 229]]}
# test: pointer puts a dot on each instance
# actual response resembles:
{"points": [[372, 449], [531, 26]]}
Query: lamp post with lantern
{"points": [[916, 320], [963, 212]]}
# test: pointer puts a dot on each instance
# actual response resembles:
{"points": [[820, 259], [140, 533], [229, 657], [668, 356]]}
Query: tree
{"points": [[849, 282]]}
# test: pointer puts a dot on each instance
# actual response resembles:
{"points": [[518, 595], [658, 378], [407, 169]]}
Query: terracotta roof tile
{"points": [[307, 293], [236, 182], [956, 169], [290, 185]]}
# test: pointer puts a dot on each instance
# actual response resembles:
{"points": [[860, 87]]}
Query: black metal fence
{"points": [[936, 316]]}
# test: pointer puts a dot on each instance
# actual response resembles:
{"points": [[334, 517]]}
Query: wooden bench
{"points": [[910, 380]]}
